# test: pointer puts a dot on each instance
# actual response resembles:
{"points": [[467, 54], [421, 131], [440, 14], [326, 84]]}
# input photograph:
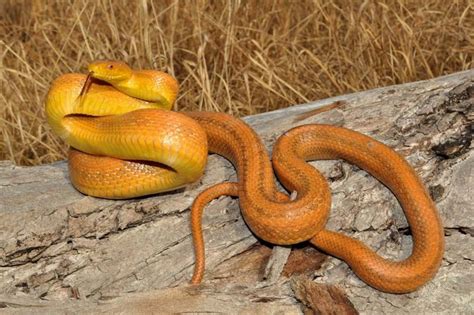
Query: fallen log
{"points": [[61, 251]]}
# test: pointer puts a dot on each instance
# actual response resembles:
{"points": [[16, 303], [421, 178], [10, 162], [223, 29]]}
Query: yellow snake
{"points": [[127, 144]]}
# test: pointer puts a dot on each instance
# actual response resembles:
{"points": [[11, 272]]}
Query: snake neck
{"points": [[150, 85]]}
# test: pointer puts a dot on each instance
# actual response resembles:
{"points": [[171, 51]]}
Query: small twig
{"points": [[319, 110]]}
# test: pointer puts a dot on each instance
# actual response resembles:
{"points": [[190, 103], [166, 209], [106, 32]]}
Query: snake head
{"points": [[110, 71]]}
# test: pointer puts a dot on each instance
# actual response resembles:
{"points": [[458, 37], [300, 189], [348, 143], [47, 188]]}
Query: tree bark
{"points": [[61, 251]]}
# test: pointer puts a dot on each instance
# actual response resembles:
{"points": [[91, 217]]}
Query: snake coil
{"points": [[126, 143]]}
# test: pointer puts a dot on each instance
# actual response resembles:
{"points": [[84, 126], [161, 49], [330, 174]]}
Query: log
{"points": [[63, 252]]}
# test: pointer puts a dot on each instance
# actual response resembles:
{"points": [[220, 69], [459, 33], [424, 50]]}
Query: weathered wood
{"points": [[61, 251], [321, 299]]}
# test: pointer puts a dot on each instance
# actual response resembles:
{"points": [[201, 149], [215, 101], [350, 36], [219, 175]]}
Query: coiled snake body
{"points": [[127, 143]]}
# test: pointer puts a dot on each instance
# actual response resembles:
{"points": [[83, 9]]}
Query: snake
{"points": [[126, 143]]}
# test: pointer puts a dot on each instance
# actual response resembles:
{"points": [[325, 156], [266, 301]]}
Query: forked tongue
{"points": [[85, 87]]}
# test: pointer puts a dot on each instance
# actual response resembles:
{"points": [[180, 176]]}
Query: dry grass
{"points": [[238, 57]]}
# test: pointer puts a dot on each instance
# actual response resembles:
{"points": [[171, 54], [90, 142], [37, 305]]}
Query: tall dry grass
{"points": [[241, 57]]}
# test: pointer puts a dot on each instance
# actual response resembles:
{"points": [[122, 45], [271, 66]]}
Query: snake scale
{"points": [[127, 143]]}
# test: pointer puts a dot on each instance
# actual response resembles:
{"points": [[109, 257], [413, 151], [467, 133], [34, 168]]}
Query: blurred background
{"points": [[239, 57]]}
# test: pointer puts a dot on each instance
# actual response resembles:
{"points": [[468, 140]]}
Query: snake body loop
{"points": [[322, 142], [110, 131], [126, 146]]}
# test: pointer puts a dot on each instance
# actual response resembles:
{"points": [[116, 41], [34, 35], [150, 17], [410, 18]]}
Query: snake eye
{"points": [[110, 67]]}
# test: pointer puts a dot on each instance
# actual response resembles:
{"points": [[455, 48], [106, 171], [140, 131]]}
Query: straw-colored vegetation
{"points": [[240, 57]]}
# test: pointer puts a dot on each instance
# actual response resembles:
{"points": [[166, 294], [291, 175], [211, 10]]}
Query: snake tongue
{"points": [[87, 83], [85, 87]]}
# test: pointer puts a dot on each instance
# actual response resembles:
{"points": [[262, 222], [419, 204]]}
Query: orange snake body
{"points": [[181, 158]]}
